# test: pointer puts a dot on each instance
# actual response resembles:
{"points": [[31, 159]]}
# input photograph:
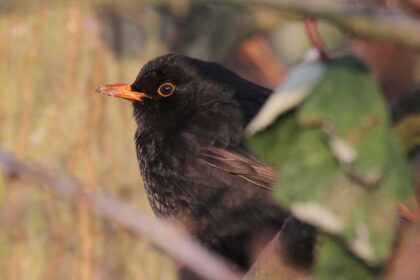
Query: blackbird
{"points": [[191, 117]]}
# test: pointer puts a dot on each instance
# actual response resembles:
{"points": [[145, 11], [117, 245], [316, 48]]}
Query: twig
{"points": [[272, 263], [360, 19], [315, 38], [404, 264], [181, 247]]}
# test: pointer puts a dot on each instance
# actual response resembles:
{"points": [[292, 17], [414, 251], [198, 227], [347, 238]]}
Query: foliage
{"points": [[340, 167], [55, 53]]}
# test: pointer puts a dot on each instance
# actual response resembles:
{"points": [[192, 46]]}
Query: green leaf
{"points": [[340, 167], [336, 263], [296, 87]]}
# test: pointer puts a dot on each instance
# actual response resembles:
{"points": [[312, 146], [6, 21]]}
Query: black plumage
{"points": [[190, 118]]}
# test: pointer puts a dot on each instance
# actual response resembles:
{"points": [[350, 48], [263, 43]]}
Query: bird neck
{"points": [[157, 165]]}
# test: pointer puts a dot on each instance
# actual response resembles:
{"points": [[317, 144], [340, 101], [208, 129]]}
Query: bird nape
{"points": [[191, 117]]}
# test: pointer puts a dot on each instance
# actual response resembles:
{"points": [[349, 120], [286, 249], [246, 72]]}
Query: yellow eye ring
{"points": [[166, 89]]}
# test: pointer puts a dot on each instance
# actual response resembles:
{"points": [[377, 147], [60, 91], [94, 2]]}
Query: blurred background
{"points": [[54, 53]]}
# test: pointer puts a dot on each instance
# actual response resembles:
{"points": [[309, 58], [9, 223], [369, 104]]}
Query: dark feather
{"points": [[242, 164]]}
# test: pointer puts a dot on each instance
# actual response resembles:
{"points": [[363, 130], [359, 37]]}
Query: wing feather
{"points": [[240, 163]]}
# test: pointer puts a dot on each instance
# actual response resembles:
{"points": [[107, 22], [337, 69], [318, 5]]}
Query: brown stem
{"points": [[314, 37]]}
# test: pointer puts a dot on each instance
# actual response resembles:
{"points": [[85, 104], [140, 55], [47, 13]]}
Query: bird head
{"points": [[176, 81], [171, 88]]}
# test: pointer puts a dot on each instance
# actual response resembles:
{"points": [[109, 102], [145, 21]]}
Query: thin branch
{"points": [[360, 19], [315, 38], [271, 263], [181, 247]]}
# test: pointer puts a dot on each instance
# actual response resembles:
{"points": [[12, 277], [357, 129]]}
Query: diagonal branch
{"points": [[272, 262], [181, 247], [360, 19]]}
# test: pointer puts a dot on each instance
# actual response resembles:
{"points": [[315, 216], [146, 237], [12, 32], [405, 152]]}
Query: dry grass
{"points": [[52, 57]]}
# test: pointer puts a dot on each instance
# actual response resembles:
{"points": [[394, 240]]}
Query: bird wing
{"points": [[215, 137], [241, 164]]}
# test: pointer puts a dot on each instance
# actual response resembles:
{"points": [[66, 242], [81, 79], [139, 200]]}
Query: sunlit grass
{"points": [[52, 58]]}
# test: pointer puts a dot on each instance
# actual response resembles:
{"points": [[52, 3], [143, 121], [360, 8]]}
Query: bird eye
{"points": [[166, 89]]}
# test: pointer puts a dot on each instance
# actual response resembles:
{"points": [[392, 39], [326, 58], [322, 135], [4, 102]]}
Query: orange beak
{"points": [[121, 91]]}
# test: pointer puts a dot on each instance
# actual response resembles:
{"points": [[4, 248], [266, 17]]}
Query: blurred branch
{"points": [[272, 263], [360, 19], [315, 38], [405, 262], [179, 246]]}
